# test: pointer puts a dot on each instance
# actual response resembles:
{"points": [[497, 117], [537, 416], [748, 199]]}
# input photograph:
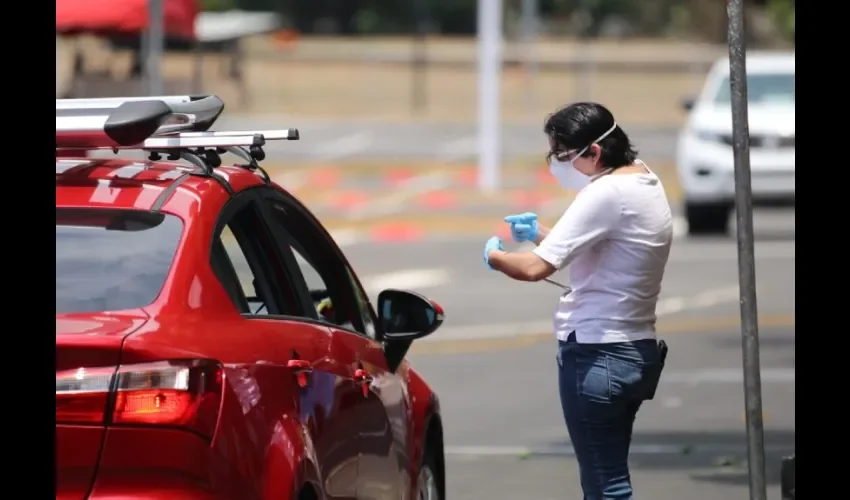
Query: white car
{"points": [[704, 157]]}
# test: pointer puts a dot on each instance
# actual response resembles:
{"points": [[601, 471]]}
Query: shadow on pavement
{"points": [[775, 350], [771, 236], [766, 342], [718, 457], [760, 235]]}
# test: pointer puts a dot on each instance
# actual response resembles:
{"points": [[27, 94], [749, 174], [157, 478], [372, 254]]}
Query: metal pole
{"points": [[584, 63], [585, 70], [198, 68], [489, 75], [530, 26], [746, 251], [155, 41], [419, 61]]}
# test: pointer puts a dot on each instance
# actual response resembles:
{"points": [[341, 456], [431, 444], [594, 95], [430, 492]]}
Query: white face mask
{"points": [[567, 174]]}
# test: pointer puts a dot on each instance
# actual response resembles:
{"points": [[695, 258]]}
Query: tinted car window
{"points": [[762, 88], [318, 263], [109, 260]]}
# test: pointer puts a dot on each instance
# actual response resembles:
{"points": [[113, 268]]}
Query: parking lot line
{"points": [[635, 449], [699, 324]]}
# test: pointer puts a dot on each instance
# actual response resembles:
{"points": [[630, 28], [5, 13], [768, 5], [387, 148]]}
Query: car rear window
{"points": [[109, 260]]}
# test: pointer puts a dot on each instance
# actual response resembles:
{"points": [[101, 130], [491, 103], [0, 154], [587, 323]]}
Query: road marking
{"points": [[440, 345], [458, 149], [684, 251], [410, 188], [680, 226], [292, 180], [345, 237], [711, 298], [670, 306], [764, 417], [727, 376], [414, 279], [665, 307], [567, 450], [343, 147], [774, 250]]}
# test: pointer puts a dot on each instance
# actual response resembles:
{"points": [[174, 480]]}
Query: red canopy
{"points": [[124, 16]]}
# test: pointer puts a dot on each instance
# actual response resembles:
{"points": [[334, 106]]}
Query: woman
{"points": [[615, 238]]}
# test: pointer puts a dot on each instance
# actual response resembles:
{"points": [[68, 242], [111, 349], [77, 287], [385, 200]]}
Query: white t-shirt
{"points": [[615, 240]]}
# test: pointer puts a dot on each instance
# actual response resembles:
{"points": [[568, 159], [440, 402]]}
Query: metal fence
{"points": [[406, 78]]}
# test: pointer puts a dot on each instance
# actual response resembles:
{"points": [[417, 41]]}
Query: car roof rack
{"points": [[175, 126]]}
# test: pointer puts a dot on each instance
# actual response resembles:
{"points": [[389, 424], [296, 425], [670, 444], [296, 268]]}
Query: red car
{"points": [[212, 341]]}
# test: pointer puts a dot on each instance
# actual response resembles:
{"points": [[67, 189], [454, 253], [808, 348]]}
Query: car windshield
{"points": [[762, 88], [110, 260]]}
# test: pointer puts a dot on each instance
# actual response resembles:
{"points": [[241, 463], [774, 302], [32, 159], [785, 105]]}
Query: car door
{"points": [[381, 413], [263, 283], [390, 387]]}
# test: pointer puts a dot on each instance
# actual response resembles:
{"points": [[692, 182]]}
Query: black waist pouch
{"points": [[653, 372]]}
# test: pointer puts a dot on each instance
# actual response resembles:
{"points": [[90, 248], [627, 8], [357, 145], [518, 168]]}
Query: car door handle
{"points": [[363, 378], [302, 369]]}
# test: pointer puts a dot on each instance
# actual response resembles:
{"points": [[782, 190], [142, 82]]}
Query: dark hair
{"points": [[576, 127]]}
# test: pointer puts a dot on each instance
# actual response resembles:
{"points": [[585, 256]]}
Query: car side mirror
{"points": [[688, 103], [407, 315]]}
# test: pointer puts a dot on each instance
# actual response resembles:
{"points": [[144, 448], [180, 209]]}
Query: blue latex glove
{"points": [[523, 226], [494, 243]]}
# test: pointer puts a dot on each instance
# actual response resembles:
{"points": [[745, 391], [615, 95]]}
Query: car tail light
{"points": [[171, 393]]}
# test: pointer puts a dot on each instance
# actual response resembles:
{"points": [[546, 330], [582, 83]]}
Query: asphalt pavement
{"points": [[332, 141], [701, 274], [493, 366], [492, 362], [505, 437]]}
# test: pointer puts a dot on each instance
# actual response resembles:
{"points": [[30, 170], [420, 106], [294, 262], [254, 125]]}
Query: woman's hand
{"points": [[524, 227], [523, 266], [494, 243]]}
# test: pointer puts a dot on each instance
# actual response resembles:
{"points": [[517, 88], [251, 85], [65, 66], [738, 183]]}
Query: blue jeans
{"points": [[602, 387]]}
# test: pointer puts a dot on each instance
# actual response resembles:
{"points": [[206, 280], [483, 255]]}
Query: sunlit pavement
{"points": [[493, 365], [336, 140], [701, 278], [422, 227], [492, 362], [387, 202], [505, 436]]}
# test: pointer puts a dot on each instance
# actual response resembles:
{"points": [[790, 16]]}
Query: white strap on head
{"points": [[606, 134]]}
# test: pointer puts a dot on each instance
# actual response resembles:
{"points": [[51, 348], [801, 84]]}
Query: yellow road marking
{"points": [[665, 327], [763, 417]]}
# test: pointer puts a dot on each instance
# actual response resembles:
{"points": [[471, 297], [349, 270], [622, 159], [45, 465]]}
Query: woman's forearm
{"points": [[542, 233], [522, 266]]}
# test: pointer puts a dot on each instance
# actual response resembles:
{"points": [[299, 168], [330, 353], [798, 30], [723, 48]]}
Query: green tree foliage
{"points": [[218, 5], [782, 13], [458, 17]]}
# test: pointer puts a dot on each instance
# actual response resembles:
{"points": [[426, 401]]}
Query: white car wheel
{"points": [[428, 489], [708, 218]]}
